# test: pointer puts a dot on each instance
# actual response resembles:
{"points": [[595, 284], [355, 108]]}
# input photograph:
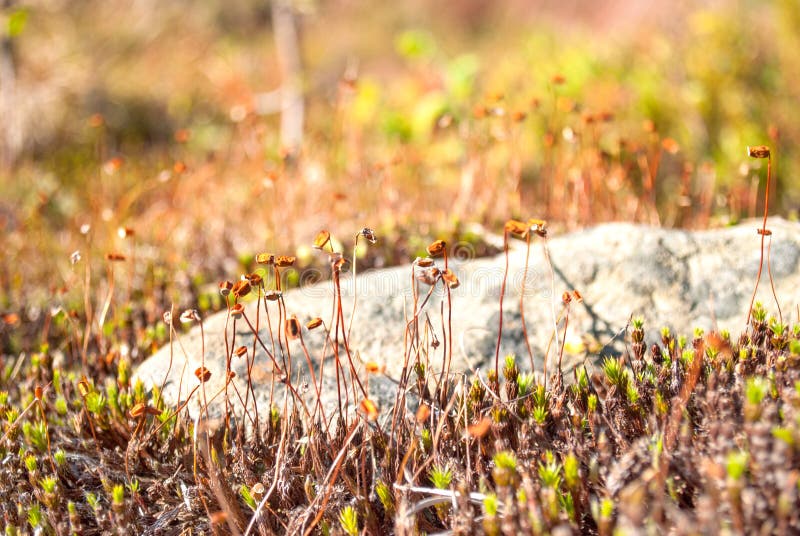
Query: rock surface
{"points": [[671, 278]]}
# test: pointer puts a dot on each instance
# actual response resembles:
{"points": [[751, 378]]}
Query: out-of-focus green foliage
{"points": [[714, 78]]}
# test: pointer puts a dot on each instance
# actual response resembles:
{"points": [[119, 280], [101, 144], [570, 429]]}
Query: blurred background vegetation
{"points": [[420, 118]]}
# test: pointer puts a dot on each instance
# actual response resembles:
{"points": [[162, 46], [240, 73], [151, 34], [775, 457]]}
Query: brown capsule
{"points": [[566, 297], [190, 315], [273, 295], [115, 257], [368, 409], [437, 248], [240, 351], [110, 357], [373, 368], [182, 135], [96, 120], [292, 328], [450, 278], [38, 393], [429, 276], [314, 323], [137, 410], [337, 261], [758, 151], [179, 167], [538, 226], [241, 288], [369, 234], [237, 310], [424, 262], [84, 387], [255, 279], [113, 165], [423, 412], [283, 261], [125, 232], [517, 228], [670, 145], [765, 232], [265, 258], [322, 238], [577, 296], [218, 518], [606, 116], [558, 79], [480, 428], [141, 408], [225, 287], [202, 374]]}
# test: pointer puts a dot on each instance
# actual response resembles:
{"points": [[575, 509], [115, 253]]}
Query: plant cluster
{"points": [[686, 434], [561, 127]]}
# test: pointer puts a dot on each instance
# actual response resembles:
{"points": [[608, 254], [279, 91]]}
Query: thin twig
{"points": [[502, 294]]}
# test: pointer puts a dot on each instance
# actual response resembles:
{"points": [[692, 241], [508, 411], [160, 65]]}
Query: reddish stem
{"points": [[502, 294]]}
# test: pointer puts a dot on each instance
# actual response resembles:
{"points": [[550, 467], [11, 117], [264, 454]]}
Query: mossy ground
{"points": [[691, 434]]}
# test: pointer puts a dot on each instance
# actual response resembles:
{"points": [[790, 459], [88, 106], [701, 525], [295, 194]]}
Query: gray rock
{"points": [[672, 278]]}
